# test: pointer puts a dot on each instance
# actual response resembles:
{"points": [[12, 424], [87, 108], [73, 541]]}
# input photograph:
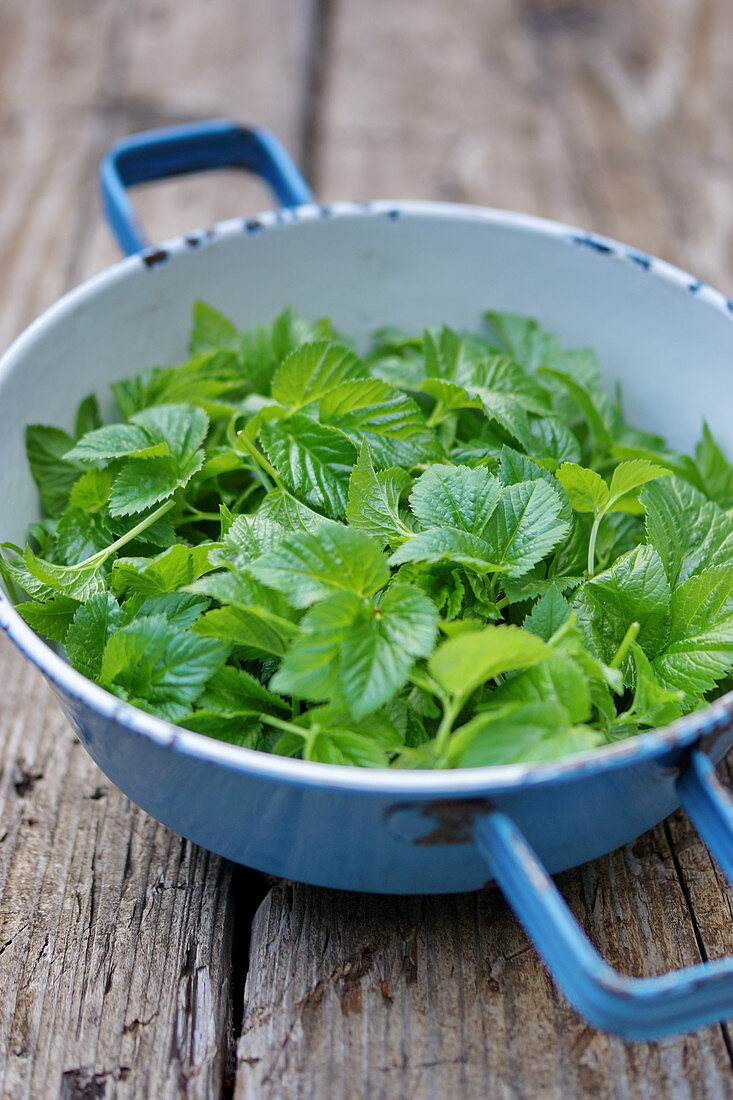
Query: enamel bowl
{"points": [[665, 336]]}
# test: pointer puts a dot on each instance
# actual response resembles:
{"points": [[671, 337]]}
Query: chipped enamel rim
{"points": [[680, 735]]}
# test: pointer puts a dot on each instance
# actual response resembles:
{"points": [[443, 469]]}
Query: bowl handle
{"points": [[635, 1008], [198, 147]]}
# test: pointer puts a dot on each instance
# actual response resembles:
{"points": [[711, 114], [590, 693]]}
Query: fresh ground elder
{"points": [[450, 552]]}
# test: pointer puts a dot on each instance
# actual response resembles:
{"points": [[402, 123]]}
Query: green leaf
{"points": [[182, 428], [629, 476], [14, 573], [520, 531], [689, 533], [91, 492], [444, 354], [370, 408], [634, 589], [507, 411], [446, 544], [78, 582], [182, 609], [243, 727], [586, 490], [357, 652], [234, 587], [553, 443], [450, 395], [654, 703], [52, 472], [234, 689], [526, 342], [700, 649], [314, 461], [310, 668], [52, 618], [203, 380], [212, 331], [115, 441], [558, 680], [88, 416], [246, 540], [290, 331], [455, 496], [80, 535], [379, 650], [282, 507], [374, 411], [530, 588], [694, 664], [309, 372], [374, 499], [93, 625], [519, 732], [500, 374], [715, 470], [309, 566], [333, 736], [515, 467], [177, 566], [159, 666], [525, 526], [550, 612], [145, 482], [586, 402], [702, 600], [254, 629], [465, 662], [443, 585]]}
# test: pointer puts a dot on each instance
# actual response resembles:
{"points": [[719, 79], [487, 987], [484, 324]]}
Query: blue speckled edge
{"points": [[684, 733]]}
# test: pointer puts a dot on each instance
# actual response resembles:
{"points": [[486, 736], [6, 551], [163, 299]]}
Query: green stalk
{"points": [[101, 556], [436, 415], [626, 642], [261, 461], [286, 727], [198, 517], [451, 711], [592, 544]]}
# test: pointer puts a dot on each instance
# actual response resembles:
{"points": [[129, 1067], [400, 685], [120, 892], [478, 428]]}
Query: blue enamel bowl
{"points": [[665, 336]]}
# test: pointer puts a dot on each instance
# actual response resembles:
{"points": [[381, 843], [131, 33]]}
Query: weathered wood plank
{"points": [[594, 113], [245, 62], [115, 935], [116, 945], [351, 996]]}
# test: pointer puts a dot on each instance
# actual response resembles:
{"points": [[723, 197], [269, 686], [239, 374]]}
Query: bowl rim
{"points": [[654, 744]]}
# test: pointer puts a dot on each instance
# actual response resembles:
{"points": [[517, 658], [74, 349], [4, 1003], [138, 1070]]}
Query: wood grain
{"points": [[121, 969], [598, 114], [116, 936], [353, 996]]}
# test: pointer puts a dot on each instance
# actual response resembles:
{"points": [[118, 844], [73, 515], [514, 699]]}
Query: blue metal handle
{"points": [[635, 1008], [157, 154]]}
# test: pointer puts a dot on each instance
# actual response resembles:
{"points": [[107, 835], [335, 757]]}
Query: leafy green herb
{"points": [[449, 551]]}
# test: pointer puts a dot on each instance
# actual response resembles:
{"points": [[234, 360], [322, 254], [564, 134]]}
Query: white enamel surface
{"points": [[670, 349]]}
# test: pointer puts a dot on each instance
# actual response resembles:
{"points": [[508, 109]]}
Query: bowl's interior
{"points": [[667, 340]]}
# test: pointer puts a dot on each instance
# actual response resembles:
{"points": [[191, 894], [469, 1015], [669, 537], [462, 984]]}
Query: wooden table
{"points": [[123, 949]]}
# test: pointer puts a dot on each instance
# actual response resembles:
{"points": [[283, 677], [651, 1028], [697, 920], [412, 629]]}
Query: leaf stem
{"points": [[260, 459], [436, 415], [101, 556], [197, 516], [282, 724], [626, 642], [592, 544], [451, 711]]}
